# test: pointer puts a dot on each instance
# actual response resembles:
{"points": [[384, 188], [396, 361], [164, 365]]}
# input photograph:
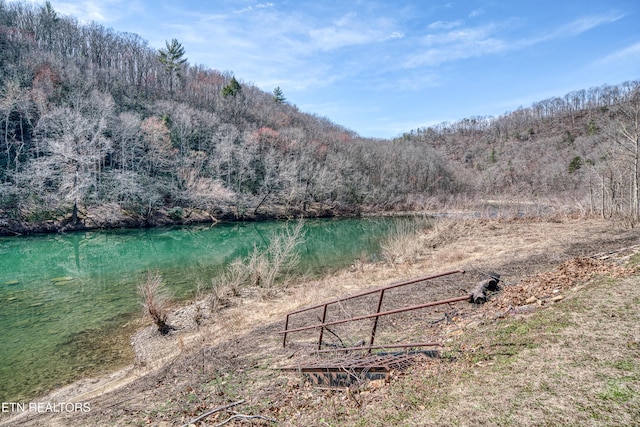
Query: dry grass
{"points": [[574, 363], [404, 243], [263, 268], [564, 366], [574, 360]]}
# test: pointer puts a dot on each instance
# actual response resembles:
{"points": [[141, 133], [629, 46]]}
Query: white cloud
{"points": [[465, 36], [587, 23], [444, 25], [572, 29], [630, 53], [454, 43], [459, 44], [254, 7], [348, 30], [86, 11], [347, 19], [332, 38]]}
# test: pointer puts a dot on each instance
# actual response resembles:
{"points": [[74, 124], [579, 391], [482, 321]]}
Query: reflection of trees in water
{"points": [[120, 256], [336, 244]]}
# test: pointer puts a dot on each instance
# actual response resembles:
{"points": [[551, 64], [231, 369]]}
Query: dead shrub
{"points": [[262, 268], [226, 287], [404, 243], [276, 261], [155, 298]]}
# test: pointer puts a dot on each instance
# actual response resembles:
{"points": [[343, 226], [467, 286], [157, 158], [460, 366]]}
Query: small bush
{"points": [[575, 164], [154, 298], [263, 268]]}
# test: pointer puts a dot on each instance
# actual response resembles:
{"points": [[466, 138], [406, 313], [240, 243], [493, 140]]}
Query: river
{"points": [[62, 296]]}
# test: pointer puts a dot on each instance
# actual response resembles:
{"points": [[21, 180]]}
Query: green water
{"points": [[60, 293]]}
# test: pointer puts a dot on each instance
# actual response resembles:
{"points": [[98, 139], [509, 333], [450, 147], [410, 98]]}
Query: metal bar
{"points": [[284, 337], [395, 285], [375, 320], [381, 347], [384, 313], [324, 318]]}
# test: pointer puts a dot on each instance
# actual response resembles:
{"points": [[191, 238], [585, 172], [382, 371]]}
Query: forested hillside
{"points": [[581, 150], [99, 129], [97, 120]]}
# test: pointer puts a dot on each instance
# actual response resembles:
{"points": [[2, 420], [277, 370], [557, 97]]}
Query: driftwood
{"points": [[235, 416], [213, 411], [479, 293], [245, 417]]}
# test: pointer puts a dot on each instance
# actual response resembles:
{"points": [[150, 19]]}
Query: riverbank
{"points": [[234, 353], [113, 216]]}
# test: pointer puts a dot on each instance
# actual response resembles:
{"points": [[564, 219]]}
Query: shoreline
{"points": [[151, 352], [136, 359], [104, 345], [110, 217]]}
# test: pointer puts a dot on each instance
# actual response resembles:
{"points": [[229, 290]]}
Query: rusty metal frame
{"points": [[375, 316], [380, 347], [339, 373]]}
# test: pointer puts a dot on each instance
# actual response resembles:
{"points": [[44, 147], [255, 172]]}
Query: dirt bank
{"points": [[112, 216]]}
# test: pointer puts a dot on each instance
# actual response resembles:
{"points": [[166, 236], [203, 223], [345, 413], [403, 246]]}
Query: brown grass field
{"points": [[559, 345]]}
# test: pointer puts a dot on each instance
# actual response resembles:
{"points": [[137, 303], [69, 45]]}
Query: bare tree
{"points": [[626, 135]]}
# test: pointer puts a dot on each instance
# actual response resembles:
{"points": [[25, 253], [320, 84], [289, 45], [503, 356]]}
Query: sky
{"points": [[382, 68]]}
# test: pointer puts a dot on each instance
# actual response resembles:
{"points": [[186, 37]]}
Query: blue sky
{"points": [[381, 68]]}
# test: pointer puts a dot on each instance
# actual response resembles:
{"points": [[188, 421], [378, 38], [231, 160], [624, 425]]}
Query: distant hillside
{"points": [[100, 130], [581, 150]]}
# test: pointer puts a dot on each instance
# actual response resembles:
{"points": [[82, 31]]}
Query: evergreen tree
{"points": [[232, 89], [278, 95], [172, 59], [48, 19]]}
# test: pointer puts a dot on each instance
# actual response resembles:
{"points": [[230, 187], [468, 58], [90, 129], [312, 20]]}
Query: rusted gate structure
{"points": [[339, 372], [375, 315]]}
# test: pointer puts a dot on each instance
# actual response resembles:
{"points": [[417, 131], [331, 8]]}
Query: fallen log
{"points": [[479, 293]]}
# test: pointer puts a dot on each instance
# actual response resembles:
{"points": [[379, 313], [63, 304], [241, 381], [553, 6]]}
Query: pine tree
{"points": [[172, 59], [232, 89], [278, 95]]}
